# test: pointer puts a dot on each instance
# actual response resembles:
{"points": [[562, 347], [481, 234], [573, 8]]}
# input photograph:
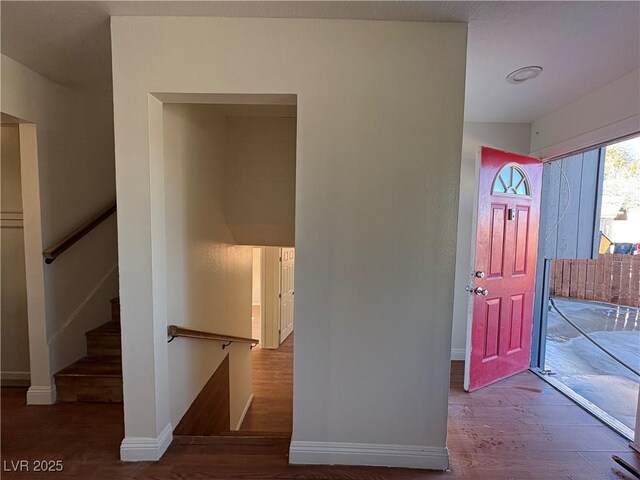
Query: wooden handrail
{"points": [[53, 252], [176, 331]]}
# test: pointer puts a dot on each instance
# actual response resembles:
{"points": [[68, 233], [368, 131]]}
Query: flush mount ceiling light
{"points": [[523, 74]]}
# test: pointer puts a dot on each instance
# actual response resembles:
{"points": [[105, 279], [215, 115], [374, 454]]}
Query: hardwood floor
{"points": [[272, 407], [522, 428], [517, 429]]}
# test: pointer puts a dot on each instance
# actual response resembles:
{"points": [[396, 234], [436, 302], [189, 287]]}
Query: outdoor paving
{"points": [[586, 369]]}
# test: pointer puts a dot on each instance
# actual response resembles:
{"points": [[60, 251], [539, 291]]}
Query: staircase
{"points": [[98, 376]]}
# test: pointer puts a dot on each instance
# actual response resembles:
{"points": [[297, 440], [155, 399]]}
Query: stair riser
{"points": [[231, 440], [96, 377], [89, 389], [104, 345], [207, 447]]}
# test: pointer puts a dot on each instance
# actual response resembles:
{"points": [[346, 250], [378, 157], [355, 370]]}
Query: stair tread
{"points": [[109, 328], [94, 366], [242, 433], [96, 377], [230, 441]]}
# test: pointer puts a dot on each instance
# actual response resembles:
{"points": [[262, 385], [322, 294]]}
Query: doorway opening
{"points": [[589, 304], [25, 351], [272, 308], [228, 176], [273, 315], [503, 266], [256, 296], [15, 334]]}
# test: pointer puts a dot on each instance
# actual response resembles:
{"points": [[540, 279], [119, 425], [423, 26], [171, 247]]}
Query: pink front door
{"points": [[505, 266]]}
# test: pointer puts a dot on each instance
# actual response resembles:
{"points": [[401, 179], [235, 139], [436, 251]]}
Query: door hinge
{"points": [[279, 295]]}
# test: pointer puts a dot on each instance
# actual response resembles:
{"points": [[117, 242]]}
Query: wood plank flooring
{"points": [[272, 407], [517, 429]]}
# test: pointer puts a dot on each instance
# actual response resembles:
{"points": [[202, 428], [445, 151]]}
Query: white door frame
{"points": [[283, 331], [472, 265], [270, 288]]}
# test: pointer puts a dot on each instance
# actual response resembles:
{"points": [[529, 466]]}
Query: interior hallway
{"points": [[520, 428], [272, 407]]}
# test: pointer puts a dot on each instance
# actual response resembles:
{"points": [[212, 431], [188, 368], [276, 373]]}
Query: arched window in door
{"points": [[511, 180]]}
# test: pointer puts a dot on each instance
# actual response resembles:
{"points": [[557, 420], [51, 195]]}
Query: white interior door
{"points": [[286, 292]]}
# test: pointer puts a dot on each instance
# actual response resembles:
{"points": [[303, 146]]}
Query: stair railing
{"points": [[54, 251], [175, 331]]}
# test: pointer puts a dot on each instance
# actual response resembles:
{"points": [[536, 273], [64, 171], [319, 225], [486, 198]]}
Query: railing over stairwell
{"points": [[175, 331]]}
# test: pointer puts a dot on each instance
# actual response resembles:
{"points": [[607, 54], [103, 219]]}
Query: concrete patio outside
{"points": [[587, 370]]}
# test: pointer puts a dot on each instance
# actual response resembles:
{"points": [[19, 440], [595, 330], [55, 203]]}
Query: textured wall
{"points": [[208, 276]]}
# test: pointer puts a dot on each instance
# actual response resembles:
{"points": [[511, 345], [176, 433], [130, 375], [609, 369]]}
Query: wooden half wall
{"points": [[209, 414]]}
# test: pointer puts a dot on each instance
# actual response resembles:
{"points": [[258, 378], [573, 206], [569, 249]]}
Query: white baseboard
{"points": [[15, 379], [369, 454], [458, 354], [140, 449], [41, 395], [244, 412]]}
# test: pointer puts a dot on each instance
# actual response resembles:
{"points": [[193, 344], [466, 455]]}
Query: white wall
{"points": [[610, 112], [513, 137], [380, 108], [72, 178], [261, 179], [14, 332], [10, 183], [208, 277]]}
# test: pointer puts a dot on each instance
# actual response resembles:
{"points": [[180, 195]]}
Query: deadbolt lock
{"points": [[479, 274]]}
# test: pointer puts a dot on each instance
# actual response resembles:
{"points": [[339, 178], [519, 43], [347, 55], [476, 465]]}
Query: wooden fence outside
{"points": [[611, 278]]}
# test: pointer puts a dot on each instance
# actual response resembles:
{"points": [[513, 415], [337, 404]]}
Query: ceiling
{"points": [[581, 45]]}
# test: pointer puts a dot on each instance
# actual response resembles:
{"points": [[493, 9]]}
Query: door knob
{"points": [[481, 291], [479, 274]]}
